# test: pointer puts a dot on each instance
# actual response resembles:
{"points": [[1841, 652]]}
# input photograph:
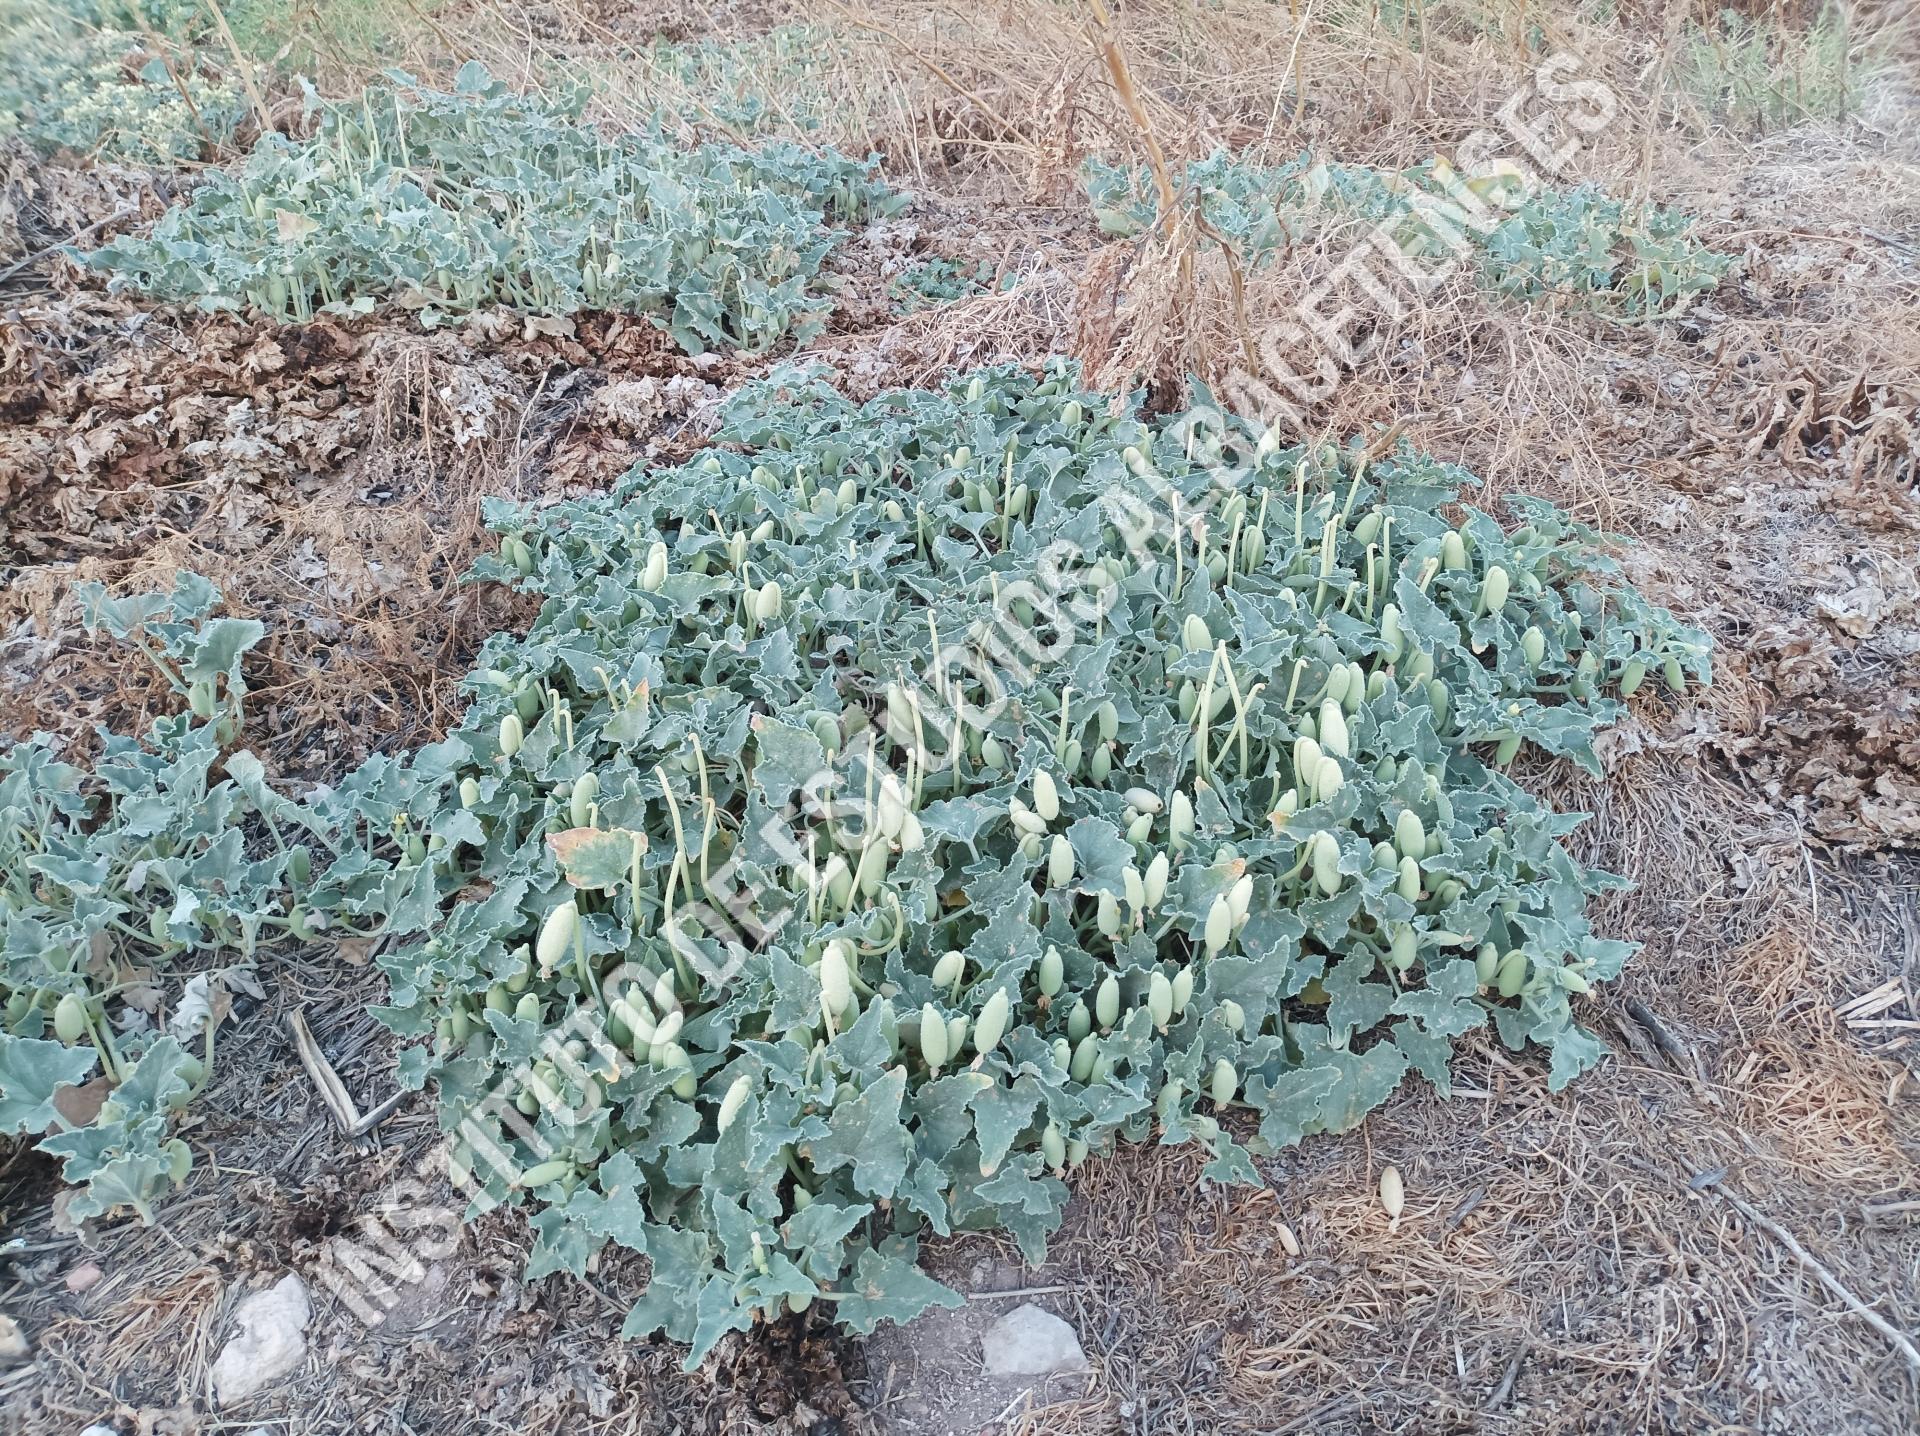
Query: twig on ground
{"points": [[378, 1115], [1121, 74], [125, 212], [332, 1090], [1669, 1045], [243, 66], [1505, 1388], [1025, 1398], [1466, 1207], [1873, 1210], [1891, 241], [1900, 1340]]}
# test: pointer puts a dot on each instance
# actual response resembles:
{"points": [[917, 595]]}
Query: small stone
{"points": [[13, 1343], [269, 1340], [84, 1277], [1030, 1341]]}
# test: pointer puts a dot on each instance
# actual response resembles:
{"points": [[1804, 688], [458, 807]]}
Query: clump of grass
{"points": [[754, 83], [1758, 75]]}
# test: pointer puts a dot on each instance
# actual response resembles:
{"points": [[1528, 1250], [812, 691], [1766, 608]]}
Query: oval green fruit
{"points": [[580, 804], [1326, 863], [1052, 972], [1079, 1021], [1224, 1084], [1160, 999], [1195, 636], [70, 1018], [933, 1037], [1060, 862], [1046, 796], [735, 1099], [992, 1022], [557, 932], [1410, 834], [1053, 1146], [1084, 1054], [543, 1174], [1219, 926], [1493, 593]]}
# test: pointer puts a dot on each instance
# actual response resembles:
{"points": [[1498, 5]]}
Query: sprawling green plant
{"points": [[905, 800], [1527, 245], [1246, 203], [451, 203], [110, 876], [929, 283], [752, 82], [886, 811]]}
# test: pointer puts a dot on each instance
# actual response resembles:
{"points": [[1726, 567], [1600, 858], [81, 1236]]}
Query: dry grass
{"points": [[1556, 1270]]}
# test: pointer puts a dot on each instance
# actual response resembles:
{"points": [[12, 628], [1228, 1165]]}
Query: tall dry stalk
{"points": [[241, 66], [1108, 44], [1162, 298]]}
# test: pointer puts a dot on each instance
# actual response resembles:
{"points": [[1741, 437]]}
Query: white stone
{"points": [[1029, 1341], [269, 1340]]}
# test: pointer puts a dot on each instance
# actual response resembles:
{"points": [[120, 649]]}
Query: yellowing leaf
{"points": [[596, 858], [293, 228]]}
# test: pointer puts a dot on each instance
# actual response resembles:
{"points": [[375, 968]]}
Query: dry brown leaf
{"points": [[78, 1106]]}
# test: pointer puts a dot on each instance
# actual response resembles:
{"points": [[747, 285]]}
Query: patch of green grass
{"points": [[750, 84], [313, 36]]}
